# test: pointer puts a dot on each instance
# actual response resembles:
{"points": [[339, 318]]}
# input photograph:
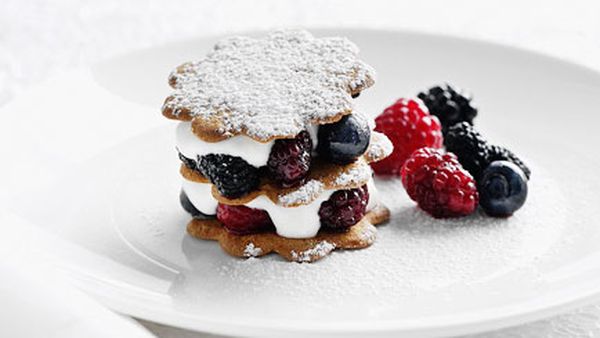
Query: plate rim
{"points": [[249, 327]]}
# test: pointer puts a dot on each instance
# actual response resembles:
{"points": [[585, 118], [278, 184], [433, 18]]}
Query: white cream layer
{"points": [[291, 222], [254, 152], [191, 146], [200, 194]]}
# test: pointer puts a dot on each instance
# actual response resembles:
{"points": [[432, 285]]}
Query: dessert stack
{"points": [[274, 156]]}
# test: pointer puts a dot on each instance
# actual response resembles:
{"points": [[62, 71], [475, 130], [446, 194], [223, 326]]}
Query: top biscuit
{"points": [[268, 88]]}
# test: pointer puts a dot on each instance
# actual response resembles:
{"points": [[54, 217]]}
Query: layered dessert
{"points": [[275, 158]]}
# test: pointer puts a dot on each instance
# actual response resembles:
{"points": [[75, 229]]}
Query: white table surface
{"points": [[41, 38]]}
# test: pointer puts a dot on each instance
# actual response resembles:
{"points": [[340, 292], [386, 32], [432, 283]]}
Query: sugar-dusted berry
{"points": [[502, 188], [469, 146], [438, 183], [344, 141], [232, 175], [242, 220], [409, 126], [344, 208], [449, 104], [289, 160]]}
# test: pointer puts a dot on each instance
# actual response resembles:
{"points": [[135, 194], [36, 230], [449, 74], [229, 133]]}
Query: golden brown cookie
{"points": [[274, 88], [360, 235], [267, 88]]}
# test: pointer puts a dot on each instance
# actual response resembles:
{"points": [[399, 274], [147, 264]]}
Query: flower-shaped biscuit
{"points": [[268, 88]]}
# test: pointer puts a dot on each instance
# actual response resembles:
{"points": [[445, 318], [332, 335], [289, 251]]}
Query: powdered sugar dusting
{"points": [[379, 148], [322, 249], [414, 258], [355, 175], [252, 251], [369, 234], [273, 86], [303, 195]]}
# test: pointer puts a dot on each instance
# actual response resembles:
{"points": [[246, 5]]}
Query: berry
{"points": [[469, 146], [503, 189], [409, 126], [232, 176], [241, 220], [450, 105], [187, 205], [344, 208], [438, 184], [289, 160], [344, 141], [188, 162], [498, 153]]}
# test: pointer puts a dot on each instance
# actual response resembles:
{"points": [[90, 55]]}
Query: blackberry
{"points": [[289, 160], [497, 153], [188, 162], [449, 104], [344, 208], [232, 175], [469, 146]]}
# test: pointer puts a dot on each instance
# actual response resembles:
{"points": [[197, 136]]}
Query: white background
{"points": [[40, 39]]}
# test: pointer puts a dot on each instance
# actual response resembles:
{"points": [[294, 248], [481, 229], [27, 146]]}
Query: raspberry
{"points": [[497, 153], [344, 208], [289, 160], [241, 220], [450, 105], [469, 146], [438, 184], [409, 126], [232, 176]]}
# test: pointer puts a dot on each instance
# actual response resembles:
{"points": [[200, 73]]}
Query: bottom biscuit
{"points": [[360, 235]]}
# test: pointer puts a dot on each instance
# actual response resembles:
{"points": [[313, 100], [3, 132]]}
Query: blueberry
{"points": [[187, 205], [344, 141], [502, 189]]}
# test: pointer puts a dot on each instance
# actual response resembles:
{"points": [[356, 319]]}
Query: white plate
{"points": [[94, 163]]}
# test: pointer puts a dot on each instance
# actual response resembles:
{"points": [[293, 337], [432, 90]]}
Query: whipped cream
{"points": [[290, 222], [253, 152], [294, 222], [200, 194]]}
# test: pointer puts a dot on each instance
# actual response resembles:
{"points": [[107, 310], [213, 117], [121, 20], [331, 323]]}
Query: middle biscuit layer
{"points": [[302, 221], [323, 177]]}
